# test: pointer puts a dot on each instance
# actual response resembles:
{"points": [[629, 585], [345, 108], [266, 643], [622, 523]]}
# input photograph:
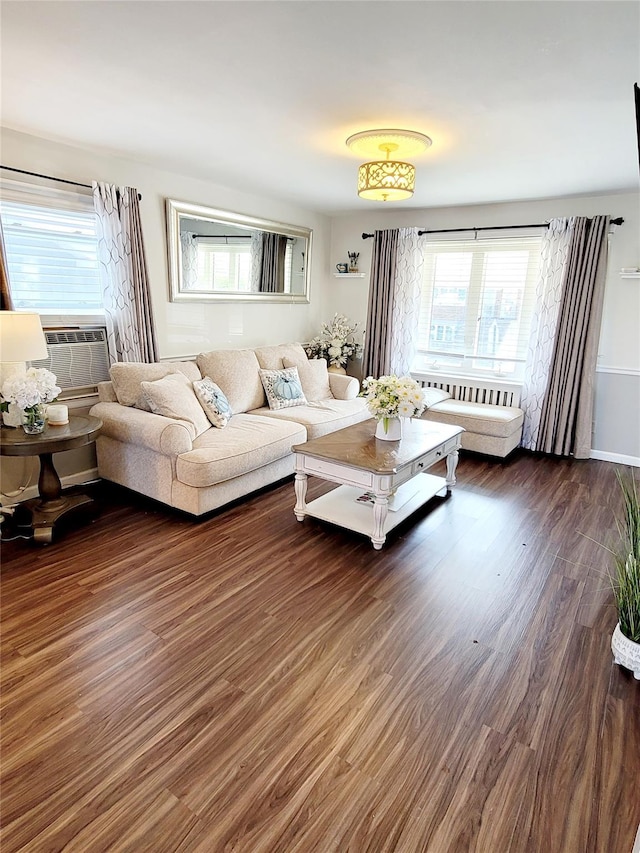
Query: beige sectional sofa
{"points": [[166, 459]]}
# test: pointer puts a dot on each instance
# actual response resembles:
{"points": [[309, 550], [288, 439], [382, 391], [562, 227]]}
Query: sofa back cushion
{"points": [[271, 358], [173, 396], [127, 377], [235, 372], [314, 377]]}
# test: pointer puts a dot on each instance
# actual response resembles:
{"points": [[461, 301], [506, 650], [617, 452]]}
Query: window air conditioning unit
{"points": [[78, 357]]}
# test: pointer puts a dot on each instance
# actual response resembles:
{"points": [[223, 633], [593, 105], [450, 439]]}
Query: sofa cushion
{"points": [[483, 418], [213, 401], [246, 443], [313, 377], [126, 377], [283, 388], [173, 397], [235, 372], [321, 417], [272, 358]]}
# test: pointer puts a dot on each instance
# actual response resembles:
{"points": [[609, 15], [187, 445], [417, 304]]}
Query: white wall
{"points": [[186, 329], [617, 406]]}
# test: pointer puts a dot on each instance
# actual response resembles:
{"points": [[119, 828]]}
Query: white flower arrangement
{"points": [[32, 388], [336, 342], [393, 397]]}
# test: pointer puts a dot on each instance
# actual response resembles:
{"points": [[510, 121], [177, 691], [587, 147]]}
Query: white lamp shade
{"points": [[21, 337]]}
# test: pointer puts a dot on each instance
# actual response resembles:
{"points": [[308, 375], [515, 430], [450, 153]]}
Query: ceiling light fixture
{"points": [[387, 180]]}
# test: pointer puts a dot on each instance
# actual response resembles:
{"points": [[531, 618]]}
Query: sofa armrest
{"points": [[144, 429], [343, 387], [106, 392]]}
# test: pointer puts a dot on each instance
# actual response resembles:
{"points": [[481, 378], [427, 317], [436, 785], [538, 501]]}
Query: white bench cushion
{"points": [[483, 418]]}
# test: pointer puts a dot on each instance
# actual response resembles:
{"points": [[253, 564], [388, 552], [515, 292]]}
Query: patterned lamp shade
{"points": [[386, 180]]}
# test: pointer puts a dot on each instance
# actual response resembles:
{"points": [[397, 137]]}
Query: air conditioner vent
{"points": [[78, 357]]}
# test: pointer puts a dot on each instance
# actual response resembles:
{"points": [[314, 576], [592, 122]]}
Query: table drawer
{"points": [[334, 471], [429, 459]]}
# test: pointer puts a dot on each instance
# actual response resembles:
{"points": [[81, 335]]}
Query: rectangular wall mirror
{"points": [[215, 255]]}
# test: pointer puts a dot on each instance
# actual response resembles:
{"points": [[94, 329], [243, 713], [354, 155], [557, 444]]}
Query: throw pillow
{"points": [[432, 396], [314, 377], [213, 401], [127, 377], [283, 388], [173, 396]]}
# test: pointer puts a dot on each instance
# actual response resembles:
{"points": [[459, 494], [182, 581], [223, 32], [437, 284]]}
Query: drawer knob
{"points": [[438, 453], [420, 464]]}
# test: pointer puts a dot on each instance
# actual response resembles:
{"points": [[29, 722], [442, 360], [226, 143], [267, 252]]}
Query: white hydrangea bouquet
{"points": [[336, 342], [30, 390], [391, 397]]}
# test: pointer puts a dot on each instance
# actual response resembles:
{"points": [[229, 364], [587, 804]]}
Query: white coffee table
{"points": [[380, 486]]}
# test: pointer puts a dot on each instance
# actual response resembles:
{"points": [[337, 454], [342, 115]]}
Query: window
{"points": [[224, 266], [477, 302], [52, 251]]}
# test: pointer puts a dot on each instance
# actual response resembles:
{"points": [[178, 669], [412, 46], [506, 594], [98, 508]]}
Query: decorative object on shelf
{"points": [[21, 340], [390, 398], [335, 343], [342, 268], [387, 180], [625, 579], [353, 261], [29, 391]]}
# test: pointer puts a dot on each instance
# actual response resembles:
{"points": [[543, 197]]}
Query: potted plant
{"points": [[625, 579], [336, 343], [389, 399]]}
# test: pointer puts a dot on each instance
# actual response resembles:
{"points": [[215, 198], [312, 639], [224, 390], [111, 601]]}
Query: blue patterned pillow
{"points": [[283, 388], [213, 401]]}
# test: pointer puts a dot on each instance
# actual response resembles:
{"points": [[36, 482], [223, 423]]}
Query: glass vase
{"points": [[34, 419]]}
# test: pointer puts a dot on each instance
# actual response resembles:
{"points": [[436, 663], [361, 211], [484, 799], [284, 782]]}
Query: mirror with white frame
{"points": [[215, 255]]}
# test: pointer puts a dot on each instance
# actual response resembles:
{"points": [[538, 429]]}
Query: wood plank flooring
{"points": [[249, 683]]}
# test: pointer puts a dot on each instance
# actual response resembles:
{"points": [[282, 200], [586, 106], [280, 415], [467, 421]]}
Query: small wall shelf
{"points": [[633, 274], [349, 274]]}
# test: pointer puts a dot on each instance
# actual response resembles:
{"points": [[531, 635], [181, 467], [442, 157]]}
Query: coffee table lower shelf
{"points": [[342, 507]]}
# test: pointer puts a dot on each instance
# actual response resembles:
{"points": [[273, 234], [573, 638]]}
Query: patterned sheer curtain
{"points": [[127, 302], [407, 291], [256, 261], [189, 250], [558, 417]]}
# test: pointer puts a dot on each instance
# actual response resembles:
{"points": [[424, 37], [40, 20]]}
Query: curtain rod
{"points": [[51, 178], [618, 221]]}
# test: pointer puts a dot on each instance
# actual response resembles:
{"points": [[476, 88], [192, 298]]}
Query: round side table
{"points": [[51, 504]]}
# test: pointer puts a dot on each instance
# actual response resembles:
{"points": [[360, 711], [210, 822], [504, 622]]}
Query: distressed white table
{"points": [[379, 482]]}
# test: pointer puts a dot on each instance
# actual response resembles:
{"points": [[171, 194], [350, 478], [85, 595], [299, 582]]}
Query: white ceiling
{"points": [[523, 100]]}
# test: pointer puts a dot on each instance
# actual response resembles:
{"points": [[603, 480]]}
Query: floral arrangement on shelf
{"points": [[336, 342], [30, 391], [392, 397]]}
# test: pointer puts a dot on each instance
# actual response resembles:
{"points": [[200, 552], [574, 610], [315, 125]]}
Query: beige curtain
{"points": [[376, 358], [125, 282], [567, 408], [6, 302]]}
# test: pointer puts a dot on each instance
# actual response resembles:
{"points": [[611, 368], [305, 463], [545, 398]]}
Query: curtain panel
{"points": [[6, 302], [123, 269], [376, 358], [407, 293], [560, 371]]}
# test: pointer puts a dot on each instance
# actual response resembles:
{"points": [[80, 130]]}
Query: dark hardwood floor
{"points": [[249, 683]]}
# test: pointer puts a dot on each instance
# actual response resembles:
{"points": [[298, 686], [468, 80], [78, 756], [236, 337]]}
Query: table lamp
{"points": [[21, 340]]}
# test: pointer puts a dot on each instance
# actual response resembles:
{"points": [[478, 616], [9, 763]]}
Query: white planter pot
{"points": [[625, 652], [393, 431]]}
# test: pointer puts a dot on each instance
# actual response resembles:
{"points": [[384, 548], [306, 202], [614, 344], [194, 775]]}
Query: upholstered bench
{"points": [[490, 429]]}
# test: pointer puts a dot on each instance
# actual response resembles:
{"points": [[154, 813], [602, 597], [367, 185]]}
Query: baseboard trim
{"points": [[618, 458], [72, 480]]}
